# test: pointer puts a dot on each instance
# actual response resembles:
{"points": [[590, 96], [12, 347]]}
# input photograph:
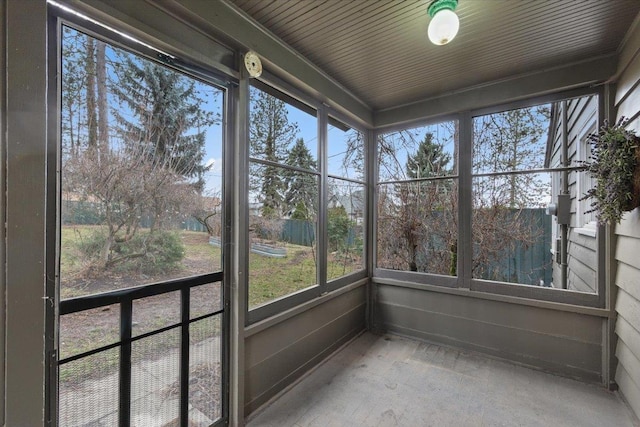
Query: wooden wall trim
{"points": [[591, 311]]}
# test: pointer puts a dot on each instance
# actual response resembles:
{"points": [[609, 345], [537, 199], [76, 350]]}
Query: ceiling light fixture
{"points": [[444, 23]]}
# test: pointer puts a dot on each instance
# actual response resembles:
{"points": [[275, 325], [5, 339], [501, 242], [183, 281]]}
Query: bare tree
{"points": [[418, 208], [150, 163], [207, 210], [418, 215]]}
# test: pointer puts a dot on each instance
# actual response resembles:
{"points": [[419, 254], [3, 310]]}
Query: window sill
{"points": [[586, 231], [269, 321]]}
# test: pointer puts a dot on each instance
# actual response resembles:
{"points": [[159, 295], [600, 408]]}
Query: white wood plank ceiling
{"points": [[379, 50]]}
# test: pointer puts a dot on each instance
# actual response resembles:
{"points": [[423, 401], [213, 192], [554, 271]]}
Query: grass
{"points": [[77, 278], [272, 278], [269, 279], [343, 263]]}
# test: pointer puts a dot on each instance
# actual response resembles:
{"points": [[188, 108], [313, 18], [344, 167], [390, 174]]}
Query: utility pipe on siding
{"points": [[564, 228]]}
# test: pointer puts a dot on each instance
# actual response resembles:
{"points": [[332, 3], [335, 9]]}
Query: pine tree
{"points": [[270, 133], [429, 160], [161, 120], [166, 127], [302, 188]]}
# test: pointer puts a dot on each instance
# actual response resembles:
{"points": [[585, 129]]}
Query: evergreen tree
{"points": [[270, 133], [338, 224], [162, 122], [429, 160], [166, 127], [300, 213], [302, 188], [271, 192]]}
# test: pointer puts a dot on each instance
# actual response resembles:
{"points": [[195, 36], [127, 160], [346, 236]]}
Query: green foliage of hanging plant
{"points": [[615, 163]]}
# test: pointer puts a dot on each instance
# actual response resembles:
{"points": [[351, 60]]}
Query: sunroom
{"points": [[282, 212]]}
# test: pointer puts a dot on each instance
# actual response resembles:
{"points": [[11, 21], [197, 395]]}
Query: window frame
{"points": [[295, 97], [585, 181], [410, 276], [339, 282], [464, 281], [217, 75]]}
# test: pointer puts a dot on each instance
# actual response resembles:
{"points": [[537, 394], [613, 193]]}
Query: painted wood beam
{"points": [[592, 71]]}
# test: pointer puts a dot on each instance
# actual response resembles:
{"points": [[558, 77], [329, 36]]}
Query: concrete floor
{"points": [[393, 381]]}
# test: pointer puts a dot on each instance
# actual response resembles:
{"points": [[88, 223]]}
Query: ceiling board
{"points": [[379, 49]]}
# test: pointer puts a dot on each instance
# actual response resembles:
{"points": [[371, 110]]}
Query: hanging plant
{"points": [[615, 164]]}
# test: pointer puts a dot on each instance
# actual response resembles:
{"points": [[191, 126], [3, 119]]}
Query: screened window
{"points": [[502, 209], [141, 296], [525, 160], [511, 231], [141, 150], [283, 198], [418, 200], [346, 200]]}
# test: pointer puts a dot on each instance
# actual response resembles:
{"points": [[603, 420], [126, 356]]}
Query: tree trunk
{"points": [[103, 111], [105, 252], [90, 68]]}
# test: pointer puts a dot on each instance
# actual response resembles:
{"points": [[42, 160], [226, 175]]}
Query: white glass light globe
{"points": [[443, 27]]}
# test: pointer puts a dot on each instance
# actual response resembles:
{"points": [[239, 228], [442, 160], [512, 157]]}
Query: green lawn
{"points": [[77, 278], [272, 278], [269, 278]]}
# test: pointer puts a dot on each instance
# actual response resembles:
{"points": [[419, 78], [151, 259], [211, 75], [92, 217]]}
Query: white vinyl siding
{"points": [[582, 116], [627, 265]]}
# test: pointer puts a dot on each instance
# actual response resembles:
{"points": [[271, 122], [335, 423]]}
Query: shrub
{"points": [[81, 213], [155, 253], [163, 251]]}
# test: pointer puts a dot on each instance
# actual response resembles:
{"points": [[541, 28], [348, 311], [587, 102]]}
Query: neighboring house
{"points": [[353, 204], [581, 253], [255, 209]]}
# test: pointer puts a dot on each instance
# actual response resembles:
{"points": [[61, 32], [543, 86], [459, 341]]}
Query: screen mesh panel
{"points": [[155, 312], [205, 299], [205, 381], [89, 390], [88, 330], [155, 379]]}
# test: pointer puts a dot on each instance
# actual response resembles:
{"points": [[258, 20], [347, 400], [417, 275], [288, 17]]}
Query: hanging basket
{"points": [[634, 202], [615, 165]]}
